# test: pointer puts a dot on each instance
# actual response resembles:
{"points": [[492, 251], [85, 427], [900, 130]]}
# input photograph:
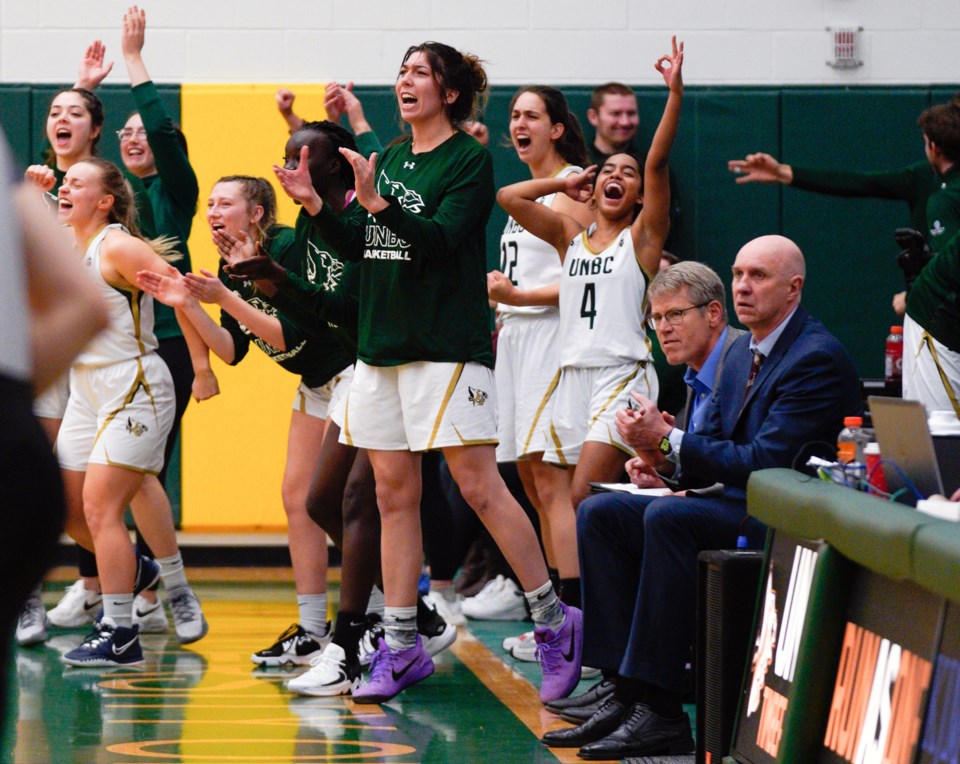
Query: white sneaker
{"points": [[187, 615], [370, 641], [149, 616], [294, 647], [522, 648], [499, 600], [31, 624], [78, 607], [329, 675], [451, 611]]}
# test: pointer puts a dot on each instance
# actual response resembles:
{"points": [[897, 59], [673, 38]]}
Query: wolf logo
{"points": [[330, 268], [136, 428], [410, 200], [477, 397]]}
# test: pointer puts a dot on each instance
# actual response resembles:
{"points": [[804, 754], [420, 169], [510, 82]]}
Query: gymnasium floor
{"points": [[207, 703]]}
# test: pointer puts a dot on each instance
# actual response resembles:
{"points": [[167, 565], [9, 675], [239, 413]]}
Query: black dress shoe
{"points": [[606, 720], [579, 714], [599, 692], [642, 733]]}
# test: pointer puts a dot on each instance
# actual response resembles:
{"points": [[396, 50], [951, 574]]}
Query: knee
{"points": [[294, 501], [96, 517], [578, 494], [320, 505], [590, 514], [359, 503], [476, 494]]}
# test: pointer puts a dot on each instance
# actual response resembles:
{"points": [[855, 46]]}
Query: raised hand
{"points": [[579, 186], [232, 248], [285, 99], [41, 176], [206, 287], [297, 183], [478, 131], [759, 168], [93, 70], [364, 173], [168, 289], [134, 31], [333, 100], [671, 66]]}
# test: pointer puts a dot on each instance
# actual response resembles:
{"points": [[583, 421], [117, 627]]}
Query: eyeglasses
{"points": [[129, 132], [673, 317]]}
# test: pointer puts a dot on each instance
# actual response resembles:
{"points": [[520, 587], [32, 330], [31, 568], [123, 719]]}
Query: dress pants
{"points": [[638, 563]]}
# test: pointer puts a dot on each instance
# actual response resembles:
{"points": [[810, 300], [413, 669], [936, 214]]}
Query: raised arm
{"points": [[554, 227], [285, 99], [652, 225]]}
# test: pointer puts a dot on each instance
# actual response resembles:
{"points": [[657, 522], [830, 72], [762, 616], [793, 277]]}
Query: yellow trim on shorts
{"points": [[927, 340], [454, 381], [558, 446], [476, 442], [302, 406], [346, 422], [619, 389], [111, 463], [137, 383], [551, 389]]}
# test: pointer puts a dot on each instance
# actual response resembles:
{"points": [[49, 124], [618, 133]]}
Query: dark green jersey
{"points": [[934, 299], [173, 191], [913, 184], [423, 293], [331, 297], [316, 355]]}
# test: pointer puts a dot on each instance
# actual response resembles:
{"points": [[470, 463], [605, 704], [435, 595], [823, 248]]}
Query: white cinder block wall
{"points": [[735, 42]]}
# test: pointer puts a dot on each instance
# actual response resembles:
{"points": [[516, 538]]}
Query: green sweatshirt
{"points": [[423, 293], [173, 191], [313, 352], [934, 298], [912, 184]]}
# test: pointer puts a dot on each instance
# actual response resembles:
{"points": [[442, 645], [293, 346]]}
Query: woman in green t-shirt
{"points": [[424, 378]]}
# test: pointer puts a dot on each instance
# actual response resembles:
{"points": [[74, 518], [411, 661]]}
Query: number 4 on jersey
{"points": [[588, 306]]}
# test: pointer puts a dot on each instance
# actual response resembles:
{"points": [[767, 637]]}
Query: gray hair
{"points": [[703, 283]]}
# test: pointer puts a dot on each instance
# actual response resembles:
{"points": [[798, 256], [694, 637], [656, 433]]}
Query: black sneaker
{"points": [[295, 646]]}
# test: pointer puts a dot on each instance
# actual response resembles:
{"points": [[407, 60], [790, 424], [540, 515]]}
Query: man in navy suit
{"points": [[781, 396]]}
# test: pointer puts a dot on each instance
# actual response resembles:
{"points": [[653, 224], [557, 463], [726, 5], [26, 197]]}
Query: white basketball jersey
{"points": [[602, 301], [130, 333], [528, 261]]}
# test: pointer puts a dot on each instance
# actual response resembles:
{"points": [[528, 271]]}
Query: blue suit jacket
{"points": [[799, 398]]}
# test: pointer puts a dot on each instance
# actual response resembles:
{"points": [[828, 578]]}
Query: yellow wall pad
{"points": [[234, 445]]}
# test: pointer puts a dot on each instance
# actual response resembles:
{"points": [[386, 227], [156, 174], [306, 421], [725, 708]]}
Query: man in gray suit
{"points": [[689, 314]]}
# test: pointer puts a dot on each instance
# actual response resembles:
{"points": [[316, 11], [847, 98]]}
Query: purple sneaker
{"points": [[391, 672], [560, 655]]}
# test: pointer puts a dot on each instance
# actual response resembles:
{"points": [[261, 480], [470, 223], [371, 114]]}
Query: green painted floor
{"points": [[206, 703]]}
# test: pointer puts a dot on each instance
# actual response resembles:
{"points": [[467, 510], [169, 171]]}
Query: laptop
{"points": [[904, 438]]}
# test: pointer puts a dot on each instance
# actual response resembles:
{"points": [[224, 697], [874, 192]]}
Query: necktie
{"points": [[754, 368]]}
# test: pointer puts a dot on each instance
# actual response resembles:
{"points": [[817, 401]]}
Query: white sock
{"points": [[313, 613], [400, 627], [171, 571], [119, 609], [376, 602]]}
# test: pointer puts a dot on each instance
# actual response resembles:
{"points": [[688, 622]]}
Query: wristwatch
{"points": [[666, 447]]}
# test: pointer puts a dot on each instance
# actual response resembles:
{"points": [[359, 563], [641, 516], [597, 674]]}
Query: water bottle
{"points": [[875, 474], [851, 440], [893, 361]]}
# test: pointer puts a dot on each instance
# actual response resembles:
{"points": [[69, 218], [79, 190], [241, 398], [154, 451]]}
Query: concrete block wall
{"points": [[730, 42]]}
